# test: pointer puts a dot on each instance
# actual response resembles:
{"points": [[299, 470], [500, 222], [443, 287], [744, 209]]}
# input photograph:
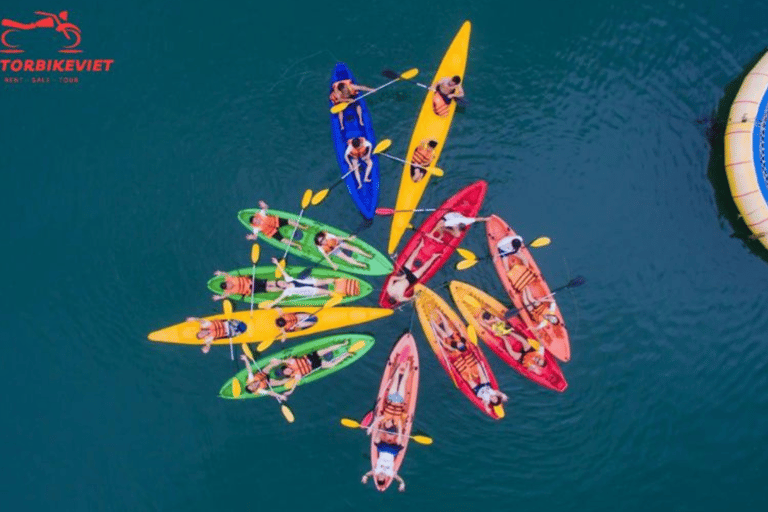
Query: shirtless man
{"points": [[346, 91], [404, 279], [359, 149]]}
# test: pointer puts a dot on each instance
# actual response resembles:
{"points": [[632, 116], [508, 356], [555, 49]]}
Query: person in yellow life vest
{"points": [[400, 285], [329, 244], [359, 149], [445, 91], [269, 225], [422, 157], [346, 91], [296, 368], [260, 383], [293, 322], [519, 347], [217, 329]]}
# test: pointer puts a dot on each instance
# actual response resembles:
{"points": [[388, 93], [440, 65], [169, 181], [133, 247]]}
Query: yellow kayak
{"points": [[261, 325], [429, 127]]}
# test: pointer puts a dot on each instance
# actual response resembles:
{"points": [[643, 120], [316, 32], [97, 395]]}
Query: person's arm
{"points": [[458, 92], [363, 88], [401, 487], [269, 392], [365, 476], [348, 158], [328, 259]]}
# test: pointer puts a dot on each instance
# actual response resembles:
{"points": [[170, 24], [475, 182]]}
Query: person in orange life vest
{"points": [[453, 223], [296, 368], [241, 285], [269, 225], [359, 149], [537, 308], [329, 244], [445, 91], [345, 91], [292, 322], [402, 281], [217, 329], [260, 383], [517, 346], [422, 157]]}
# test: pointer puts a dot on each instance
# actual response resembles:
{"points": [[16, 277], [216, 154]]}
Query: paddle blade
{"points": [[388, 73], [382, 146], [422, 439], [499, 410], [349, 423], [255, 253], [306, 198], [264, 345], [577, 281], [356, 346], [236, 388], [339, 107], [267, 304], [540, 242], [385, 211], [287, 412], [471, 301], [472, 334], [290, 384], [535, 345], [367, 419], [411, 73], [333, 301], [436, 171], [227, 306], [319, 196], [247, 351], [466, 253], [279, 268], [465, 264]]}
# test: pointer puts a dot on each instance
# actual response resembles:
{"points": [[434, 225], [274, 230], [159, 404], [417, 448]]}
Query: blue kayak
{"points": [[367, 197]]}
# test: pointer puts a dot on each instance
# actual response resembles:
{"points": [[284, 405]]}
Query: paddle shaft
{"points": [[387, 73], [380, 430], [402, 161]]}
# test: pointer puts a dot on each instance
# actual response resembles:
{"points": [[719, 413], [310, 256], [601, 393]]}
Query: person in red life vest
{"points": [[260, 383], [445, 91], [296, 368], [329, 244], [345, 91], [217, 329], [359, 149], [292, 322], [422, 157], [269, 225], [403, 280]]}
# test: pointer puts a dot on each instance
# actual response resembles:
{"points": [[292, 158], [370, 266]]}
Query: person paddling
{"points": [[345, 91], [359, 149], [217, 329], [445, 91], [269, 225], [422, 157], [260, 382]]}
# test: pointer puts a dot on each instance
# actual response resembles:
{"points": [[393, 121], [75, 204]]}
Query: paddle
{"points": [[573, 283], [392, 211], [320, 195], [472, 334], [387, 73], [255, 253], [287, 412], [227, 306], [470, 259], [334, 300], [350, 423], [305, 200], [431, 170], [406, 75]]}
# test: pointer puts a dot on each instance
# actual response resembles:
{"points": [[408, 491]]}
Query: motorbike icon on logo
{"points": [[48, 20]]}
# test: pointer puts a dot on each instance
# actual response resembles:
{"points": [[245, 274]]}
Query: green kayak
{"points": [[345, 341], [350, 287], [278, 226]]}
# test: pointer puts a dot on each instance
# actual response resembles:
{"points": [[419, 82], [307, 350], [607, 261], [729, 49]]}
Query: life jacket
{"points": [[302, 365], [537, 312], [520, 276], [268, 224], [259, 381], [501, 328], [439, 105], [533, 358], [329, 244], [395, 410], [360, 151], [423, 155], [291, 320], [218, 329], [241, 285], [466, 364], [335, 95], [346, 287]]}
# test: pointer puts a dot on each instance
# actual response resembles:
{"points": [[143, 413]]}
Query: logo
{"points": [[59, 23]]}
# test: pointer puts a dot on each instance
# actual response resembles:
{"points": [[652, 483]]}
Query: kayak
{"points": [[429, 126], [352, 288], [501, 335], [344, 342], [377, 265], [260, 325], [431, 308], [403, 358], [520, 277], [433, 250], [367, 197]]}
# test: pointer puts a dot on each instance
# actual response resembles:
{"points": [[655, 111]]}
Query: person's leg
{"points": [[341, 120], [349, 259], [368, 167], [422, 269], [360, 114], [353, 248]]}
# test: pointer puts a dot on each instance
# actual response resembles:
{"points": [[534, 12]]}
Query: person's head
{"points": [[456, 80], [341, 87], [516, 244], [320, 238], [223, 285], [255, 220], [283, 371], [356, 142], [495, 400], [432, 144], [486, 315], [280, 322], [458, 343]]}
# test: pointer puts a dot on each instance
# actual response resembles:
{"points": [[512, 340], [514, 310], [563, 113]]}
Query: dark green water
{"points": [[120, 200]]}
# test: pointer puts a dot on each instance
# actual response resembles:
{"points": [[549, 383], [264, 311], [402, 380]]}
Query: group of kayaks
{"points": [[287, 301]]}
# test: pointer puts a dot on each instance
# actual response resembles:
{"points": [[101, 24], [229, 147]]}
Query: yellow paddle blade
{"points": [[350, 423], [472, 334], [465, 264], [236, 388], [279, 268], [227, 306], [473, 302], [407, 75], [306, 198], [422, 439], [382, 146], [466, 253], [333, 301], [290, 384], [436, 171], [339, 107], [266, 304], [319, 196], [499, 410], [540, 242], [255, 253], [410, 226], [535, 345], [247, 351], [356, 346], [288, 413], [264, 345]]}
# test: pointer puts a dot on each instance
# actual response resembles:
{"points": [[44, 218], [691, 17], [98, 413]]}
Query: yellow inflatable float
{"points": [[745, 151]]}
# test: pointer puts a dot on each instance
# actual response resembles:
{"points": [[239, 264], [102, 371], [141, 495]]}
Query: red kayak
{"points": [[431, 246], [510, 339]]}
